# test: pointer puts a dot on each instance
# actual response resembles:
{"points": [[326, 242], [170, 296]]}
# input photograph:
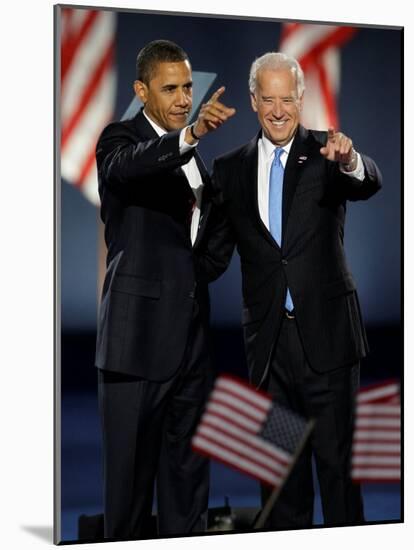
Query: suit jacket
{"points": [[311, 260], [152, 267]]}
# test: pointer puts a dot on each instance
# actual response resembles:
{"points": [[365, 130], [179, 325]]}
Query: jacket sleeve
{"points": [[123, 158], [353, 189], [219, 241]]}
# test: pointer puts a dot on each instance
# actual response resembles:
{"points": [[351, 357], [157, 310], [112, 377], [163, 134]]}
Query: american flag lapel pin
{"points": [[301, 160]]}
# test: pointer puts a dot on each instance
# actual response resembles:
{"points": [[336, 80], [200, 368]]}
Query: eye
{"points": [[288, 100]]}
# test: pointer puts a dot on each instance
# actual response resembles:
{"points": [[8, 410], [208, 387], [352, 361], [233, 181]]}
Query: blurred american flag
{"points": [[317, 48], [88, 91], [376, 453], [243, 428]]}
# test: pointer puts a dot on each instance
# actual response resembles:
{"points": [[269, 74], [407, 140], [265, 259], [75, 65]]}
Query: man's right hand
{"points": [[212, 115]]}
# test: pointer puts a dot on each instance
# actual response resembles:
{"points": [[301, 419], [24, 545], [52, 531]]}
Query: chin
{"points": [[177, 125], [280, 140]]}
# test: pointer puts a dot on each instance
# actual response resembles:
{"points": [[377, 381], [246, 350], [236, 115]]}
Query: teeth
{"points": [[278, 124]]}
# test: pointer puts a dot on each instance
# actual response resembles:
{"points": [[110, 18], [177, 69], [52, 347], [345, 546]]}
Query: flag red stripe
{"points": [[379, 415], [73, 42], [260, 407], [377, 479], [373, 428], [222, 402], [388, 400], [94, 82], [386, 469], [288, 29], [334, 39], [232, 420], [376, 441], [243, 455], [67, 15], [379, 385], [223, 431], [89, 164], [376, 453], [245, 385]]}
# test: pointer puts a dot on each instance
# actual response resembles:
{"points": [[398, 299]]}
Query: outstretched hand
{"points": [[212, 114], [338, 148]]}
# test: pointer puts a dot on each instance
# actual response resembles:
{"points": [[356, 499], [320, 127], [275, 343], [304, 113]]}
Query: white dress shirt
{"points": [[192, 174], [266, 154]]}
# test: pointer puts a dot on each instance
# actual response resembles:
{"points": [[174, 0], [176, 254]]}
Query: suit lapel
{"points": [[203, 172], [143, 127], [250, 186], [206, 198], [294, 165]]}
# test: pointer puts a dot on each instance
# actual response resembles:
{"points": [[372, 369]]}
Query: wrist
{"points": [[193, 134], [351, 165], [189, 137]]}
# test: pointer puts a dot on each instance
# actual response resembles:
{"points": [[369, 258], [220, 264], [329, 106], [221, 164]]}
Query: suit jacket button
{"points": [[284, 262], [192, 292]]}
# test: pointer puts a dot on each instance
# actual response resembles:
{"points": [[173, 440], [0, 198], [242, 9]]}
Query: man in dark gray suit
{"points": [[152, 351], [284, 200]]}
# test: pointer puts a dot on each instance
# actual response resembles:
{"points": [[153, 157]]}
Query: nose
{"points": [[183, 97], [278, 109]]}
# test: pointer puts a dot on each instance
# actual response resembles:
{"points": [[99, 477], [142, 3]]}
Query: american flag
{"points": [[88, 91], [242, 428], [376, 453], [316, 47]]}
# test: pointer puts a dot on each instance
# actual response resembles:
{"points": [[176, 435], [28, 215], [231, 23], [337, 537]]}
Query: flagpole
{"points": [[259, 523]]}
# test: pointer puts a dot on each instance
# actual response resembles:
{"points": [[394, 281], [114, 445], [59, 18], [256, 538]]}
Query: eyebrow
{"points": [[292, 96], [174, 86]]}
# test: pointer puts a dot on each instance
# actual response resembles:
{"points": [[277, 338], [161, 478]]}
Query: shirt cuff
{"points": [[359, 172], [184, 146]]}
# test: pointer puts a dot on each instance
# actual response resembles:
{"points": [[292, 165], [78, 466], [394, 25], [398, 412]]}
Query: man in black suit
{"points": [[284, 197], [152, 351]]}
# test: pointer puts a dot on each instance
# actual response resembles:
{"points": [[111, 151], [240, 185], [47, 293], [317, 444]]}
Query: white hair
{"points": [[276, 61]]}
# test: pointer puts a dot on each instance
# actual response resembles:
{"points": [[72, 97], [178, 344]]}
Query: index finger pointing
{"points": [[217, 94], [331, 134]]}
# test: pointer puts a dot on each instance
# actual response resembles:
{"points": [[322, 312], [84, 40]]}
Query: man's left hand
{"points": [[339, 148]]}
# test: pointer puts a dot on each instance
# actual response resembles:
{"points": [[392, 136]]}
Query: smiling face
{"points": [[168, 95], [277, 104]]}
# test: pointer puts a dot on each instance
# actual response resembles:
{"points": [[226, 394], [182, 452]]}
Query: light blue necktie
{"points": [[275, 207]]}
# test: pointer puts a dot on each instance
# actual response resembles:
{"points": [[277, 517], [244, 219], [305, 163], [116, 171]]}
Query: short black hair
{"points": [[155, 52]]}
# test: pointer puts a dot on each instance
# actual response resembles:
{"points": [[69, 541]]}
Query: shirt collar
{"points": [[160, 131], [269, 147]]}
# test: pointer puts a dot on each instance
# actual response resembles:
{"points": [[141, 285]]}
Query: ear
{"points": [[141, 91], [253, 102]]}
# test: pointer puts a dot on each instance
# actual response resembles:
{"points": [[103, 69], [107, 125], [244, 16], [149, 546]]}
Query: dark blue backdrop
{"points": [[369, 110]]}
